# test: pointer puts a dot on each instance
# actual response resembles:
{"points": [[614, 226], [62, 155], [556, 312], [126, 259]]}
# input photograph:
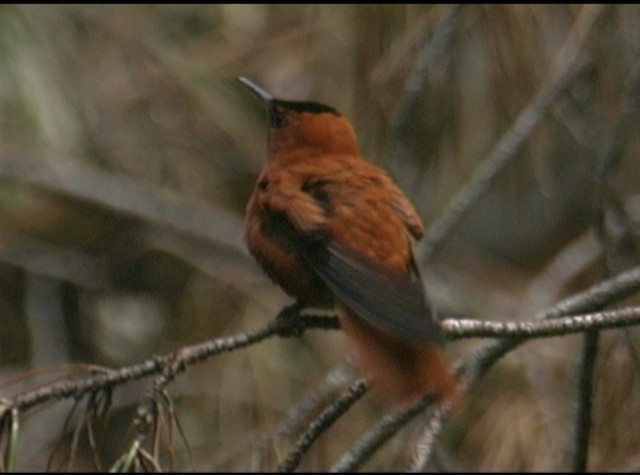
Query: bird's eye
{"points": [[276, 117]]}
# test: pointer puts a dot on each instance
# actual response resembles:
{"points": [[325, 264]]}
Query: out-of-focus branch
{"points": [[126, 195], [378, 435], [601, 205], [612, 155], [424, 448], [584, 401], [301, 413], [572, 260], [60, 263], [322, 423], [569, 62], [472, 367], [404, 116], [319, 397]]}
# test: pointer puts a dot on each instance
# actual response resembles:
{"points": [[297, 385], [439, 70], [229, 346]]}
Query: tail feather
{"points": [[399, 372]]}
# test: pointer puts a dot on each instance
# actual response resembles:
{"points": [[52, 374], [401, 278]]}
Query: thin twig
{"points": [[322, 423], [569, 62], [572, 260], [378, 435], [300, 414], [613, 153], [424, 448], [319, 397], [11, 450], [150, 416], [601, 204], [582, 428]]}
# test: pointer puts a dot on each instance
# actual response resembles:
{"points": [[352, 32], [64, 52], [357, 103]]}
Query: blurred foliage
{"points": [[147, 93]]}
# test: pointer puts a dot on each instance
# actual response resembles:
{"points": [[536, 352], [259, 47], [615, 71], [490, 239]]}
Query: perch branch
{"points": [[177, 362], [461, 328]]}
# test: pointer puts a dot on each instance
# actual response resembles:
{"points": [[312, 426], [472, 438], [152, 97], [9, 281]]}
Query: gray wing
{"points": [[393, 302]]}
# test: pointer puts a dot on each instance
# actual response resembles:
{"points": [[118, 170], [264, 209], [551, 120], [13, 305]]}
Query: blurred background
{"points": [[128, 152]]}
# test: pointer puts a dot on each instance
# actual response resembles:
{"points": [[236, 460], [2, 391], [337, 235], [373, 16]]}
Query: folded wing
{"points": [[388, 300]]}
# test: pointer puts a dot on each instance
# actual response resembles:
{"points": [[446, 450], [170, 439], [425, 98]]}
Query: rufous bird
{"points": [[333, 230]]}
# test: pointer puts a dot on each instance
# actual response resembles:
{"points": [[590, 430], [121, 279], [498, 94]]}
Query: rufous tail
{"points": [[398, 371]]}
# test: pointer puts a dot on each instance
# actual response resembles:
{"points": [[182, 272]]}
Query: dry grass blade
{"points": [[11, 449]]}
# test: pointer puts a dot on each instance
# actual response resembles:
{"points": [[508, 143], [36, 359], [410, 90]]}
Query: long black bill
{"points": [[257, 90]]}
